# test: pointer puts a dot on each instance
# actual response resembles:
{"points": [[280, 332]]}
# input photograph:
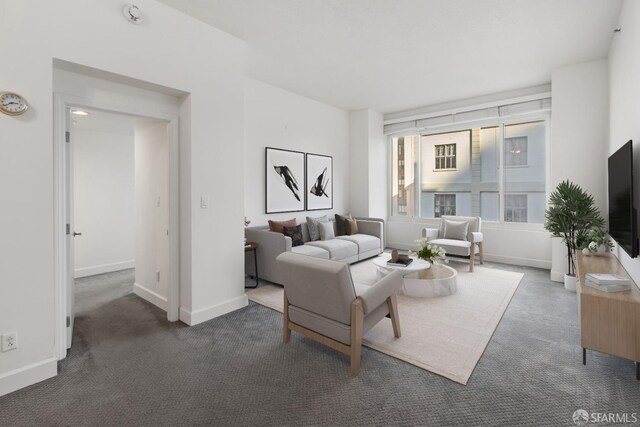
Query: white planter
{"points": [[570, 283]]}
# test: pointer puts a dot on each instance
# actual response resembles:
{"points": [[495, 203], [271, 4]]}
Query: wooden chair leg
{"points": [[481, 253], [286, 336], [357, 322], [472, 260], [392, 303]]}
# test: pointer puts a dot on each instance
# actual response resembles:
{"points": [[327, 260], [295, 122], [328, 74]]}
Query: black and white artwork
{"points": [[319, 190], [284, 180]]}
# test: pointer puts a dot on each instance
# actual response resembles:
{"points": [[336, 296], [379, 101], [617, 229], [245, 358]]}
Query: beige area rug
{"points": [[445, 335]]}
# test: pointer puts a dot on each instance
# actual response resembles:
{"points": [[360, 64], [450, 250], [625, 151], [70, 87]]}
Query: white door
{"points": [[71, 233]]}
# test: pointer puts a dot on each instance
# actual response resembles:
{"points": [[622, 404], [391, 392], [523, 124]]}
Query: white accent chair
{"points": [[321, 302], [462, 237]]}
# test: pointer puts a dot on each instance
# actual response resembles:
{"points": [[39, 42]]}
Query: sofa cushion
{"points": [[295, 233], [311, 251], [313, 224], [350, 227], [340, 223], [456, 230], [278, 226], [365, 242], [455, 247], [326, 231], [338, 248]]}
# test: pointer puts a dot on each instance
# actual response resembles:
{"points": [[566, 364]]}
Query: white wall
{"points": [[580, 128], [195, 59], [624, 85], [152, 210], [103, 200], [368, 172], [280, 119]]}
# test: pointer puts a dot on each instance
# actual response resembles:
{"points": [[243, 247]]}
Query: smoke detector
{"points": [[133, 14]]}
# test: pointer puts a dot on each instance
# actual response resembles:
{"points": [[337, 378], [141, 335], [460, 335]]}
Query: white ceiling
{"points": [[102, 121], [394, 55]]}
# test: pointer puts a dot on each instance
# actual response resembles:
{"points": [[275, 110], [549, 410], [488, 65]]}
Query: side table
{"points": [[249, 247]]}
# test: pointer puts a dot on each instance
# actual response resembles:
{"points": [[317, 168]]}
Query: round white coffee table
{"points": [[384, 269], [438, 281]]}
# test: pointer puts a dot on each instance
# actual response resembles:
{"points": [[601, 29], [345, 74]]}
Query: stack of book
{"points": [[607, 282], [402, 261]]}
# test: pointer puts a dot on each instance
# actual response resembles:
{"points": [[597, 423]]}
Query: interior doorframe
{"points": [[61, 102]]}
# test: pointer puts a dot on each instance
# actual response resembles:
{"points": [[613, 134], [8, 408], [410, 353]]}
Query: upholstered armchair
{"points": [[458, 235], [321, 302]]}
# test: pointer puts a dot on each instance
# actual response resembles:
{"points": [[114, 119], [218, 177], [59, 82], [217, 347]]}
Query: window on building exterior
{"points": [[444, 204], [445, 156], [515, 208], [515, 151]]}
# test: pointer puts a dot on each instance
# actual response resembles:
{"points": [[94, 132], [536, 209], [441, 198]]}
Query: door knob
{"points": [[76, 234]]}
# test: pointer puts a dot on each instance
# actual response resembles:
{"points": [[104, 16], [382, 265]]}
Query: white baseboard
{"points": [[28, 375], [105, 268], [192, 318], [154, 298], [511, 260]]}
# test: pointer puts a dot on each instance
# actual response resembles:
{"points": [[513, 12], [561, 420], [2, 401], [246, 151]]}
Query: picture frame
{"points": [[284, 180], [319, 182]]}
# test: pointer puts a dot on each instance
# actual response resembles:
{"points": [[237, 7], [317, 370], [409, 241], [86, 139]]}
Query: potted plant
{"points": [[599, 242], [571, 215], [430, 252]]}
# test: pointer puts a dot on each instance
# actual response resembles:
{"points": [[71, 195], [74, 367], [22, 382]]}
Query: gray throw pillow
{"points": [[313, 225], [326, 231], [456, 230], [295, 233], [340, 223]]}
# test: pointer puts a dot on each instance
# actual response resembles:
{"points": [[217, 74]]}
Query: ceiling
{"points": [[102, 121], [395, 55]]}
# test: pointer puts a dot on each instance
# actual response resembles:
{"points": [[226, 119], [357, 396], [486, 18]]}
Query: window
{"points": [[515, 151], [445, 204], [497, 172], [515, 208], [446, 156]]}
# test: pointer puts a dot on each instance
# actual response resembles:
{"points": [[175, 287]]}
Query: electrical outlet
{"points": [[9, 341]]}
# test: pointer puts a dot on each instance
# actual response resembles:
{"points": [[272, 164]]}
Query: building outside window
{"points": [[444, 204], [515, 208], [403, 175], [497, 172], [446, 156]]}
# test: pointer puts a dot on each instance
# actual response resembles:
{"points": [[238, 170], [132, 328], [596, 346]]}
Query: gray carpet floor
{"points": [[129, 366]]}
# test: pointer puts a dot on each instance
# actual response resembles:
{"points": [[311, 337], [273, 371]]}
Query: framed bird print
{"points": [[284, 180], [319, 190]]}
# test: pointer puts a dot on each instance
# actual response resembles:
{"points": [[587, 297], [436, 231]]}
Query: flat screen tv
{"points": [[623, 226]]}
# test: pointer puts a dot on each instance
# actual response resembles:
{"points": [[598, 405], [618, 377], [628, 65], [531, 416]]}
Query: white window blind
{"points": [[472, 115]]}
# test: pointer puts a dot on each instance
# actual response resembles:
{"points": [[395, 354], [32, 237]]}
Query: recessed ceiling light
{"points": [[79, 113]]}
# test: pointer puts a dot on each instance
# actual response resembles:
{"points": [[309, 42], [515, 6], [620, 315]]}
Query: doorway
{"points": [[119, 208]]}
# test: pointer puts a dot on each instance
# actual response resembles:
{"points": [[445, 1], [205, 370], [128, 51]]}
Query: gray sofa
{"points": [[369, 242]]}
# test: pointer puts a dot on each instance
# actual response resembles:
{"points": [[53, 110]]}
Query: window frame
{"points": [[526, 207], [446, 195], [444, 157]]}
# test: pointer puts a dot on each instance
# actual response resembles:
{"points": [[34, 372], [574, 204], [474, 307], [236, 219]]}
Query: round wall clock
{"points": [[12, 104]]}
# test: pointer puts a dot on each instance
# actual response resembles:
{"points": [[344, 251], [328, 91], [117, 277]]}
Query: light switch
{"points": [[204, 202]]}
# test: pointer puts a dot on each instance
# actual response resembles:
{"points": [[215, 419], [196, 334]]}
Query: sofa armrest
{"points": [[270, 245], [377, 294], [430, 233], [477, 236], [372, 227]]}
